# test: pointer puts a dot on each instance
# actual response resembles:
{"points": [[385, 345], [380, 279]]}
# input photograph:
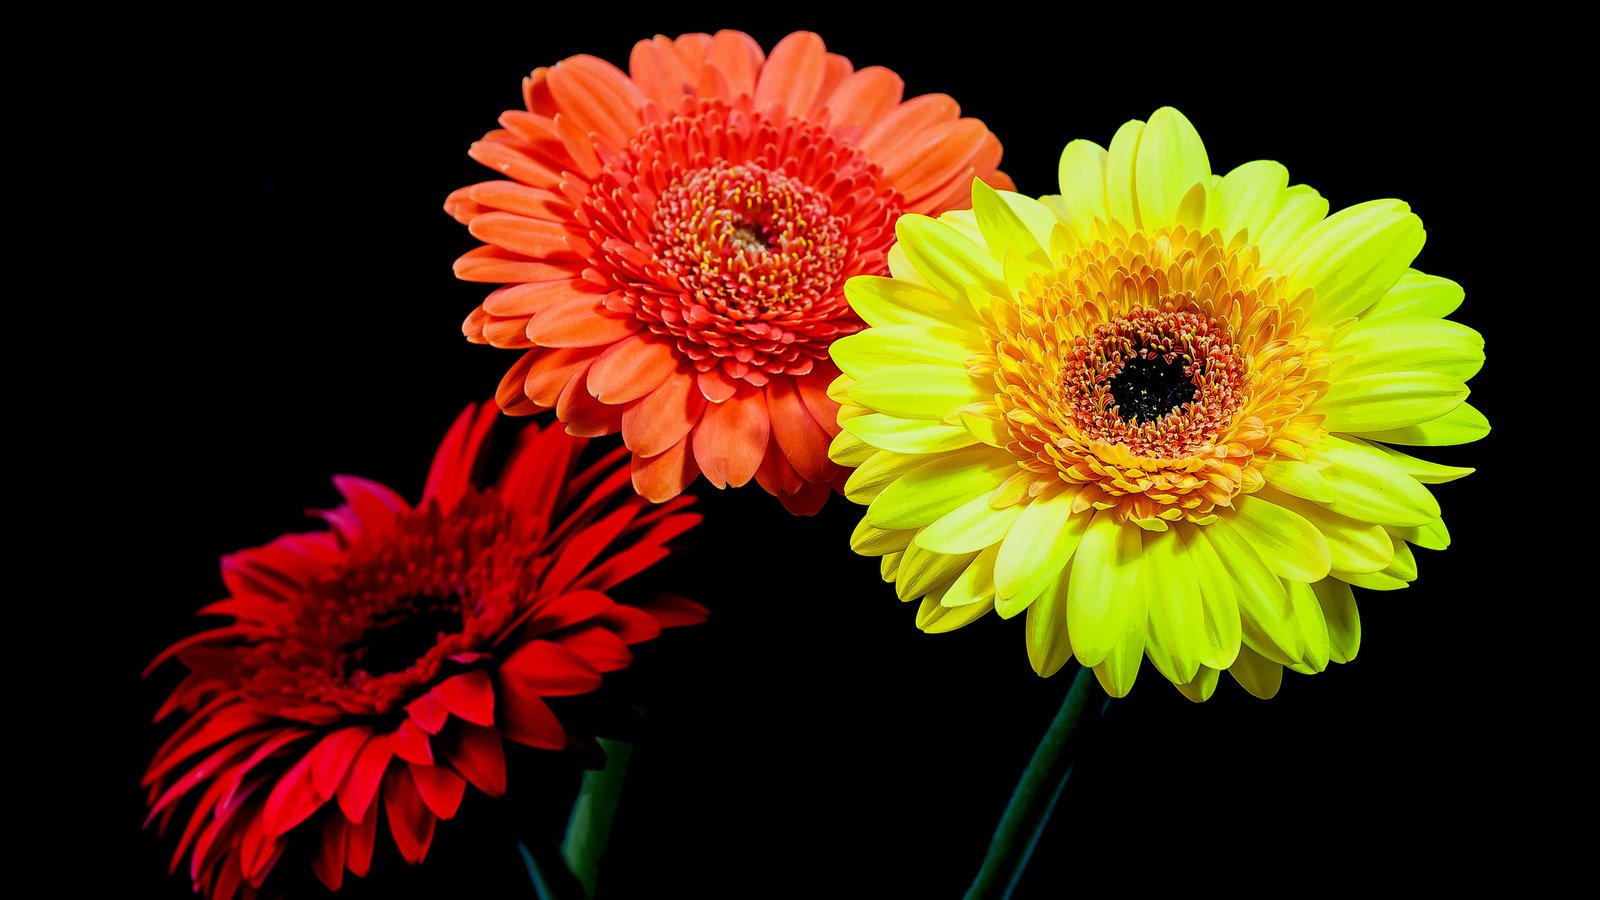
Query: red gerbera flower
{"points": [[676, 241], [389, 656]]}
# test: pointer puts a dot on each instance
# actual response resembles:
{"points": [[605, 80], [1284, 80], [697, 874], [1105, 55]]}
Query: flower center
{"points": [[1159, 382], [747, 242], [395, 639], [1149, 387]]}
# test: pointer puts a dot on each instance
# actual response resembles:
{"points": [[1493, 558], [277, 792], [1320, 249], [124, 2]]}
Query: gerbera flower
{"points": [[383, 662], [1154, 413], [675, 242]]}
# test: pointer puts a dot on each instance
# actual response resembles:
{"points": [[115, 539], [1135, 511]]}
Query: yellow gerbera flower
{"points": [[1154, 413]]}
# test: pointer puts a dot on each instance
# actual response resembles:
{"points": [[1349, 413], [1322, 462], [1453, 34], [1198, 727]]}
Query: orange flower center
{"points": [[1156, 374], [732, 234]]}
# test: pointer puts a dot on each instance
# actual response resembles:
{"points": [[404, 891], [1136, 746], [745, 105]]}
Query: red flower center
{"points": [[733, 234], [396, 638]]}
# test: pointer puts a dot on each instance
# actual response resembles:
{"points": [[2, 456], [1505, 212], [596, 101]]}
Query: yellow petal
{"points": [[1171, 160], [1412, 344], [1389, 400], [1370, 487], [939, 485], [1354, 546], [914, 436], [1247, 197], [1083, 185], [1373, 581], [1302, 479], [923, 572], [868, 540], [1038, 547], [867, 353], [1290, 545], [1218, 597], [882, 301], [935, 618], [848, 450], [1420, 469], [971, 526], [1203, 686], [1003, 229], [1049, 647], [1461, 425], [1101, 611], [952, 263], [976, 581], [1354, 256], [1120, 186], [919, 391], [1344, 623], [1177, 637], [1301, 208], [1432, 536], [877, 472], [1266, 611], [1260, 676], [1417, 294]]}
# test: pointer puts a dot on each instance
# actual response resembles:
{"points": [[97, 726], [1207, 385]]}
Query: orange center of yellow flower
{"points": [[1155, 373]]}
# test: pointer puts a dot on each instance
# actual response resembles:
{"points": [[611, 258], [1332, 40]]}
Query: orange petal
{"points": [[658, 420], [834, 73], [936, 158], [716, 385], [807, 501], [865, 97], [776, 476], [632, 367], [529, 299], [599, 98], [510, 396], [661, 477], [507, 334], [658, 70], [555, 368], [737, 58], [905, 122], [813, 389], [536, 238], [793, 74], [802, 440], [536, 93], [493, 265], [732, 437], [521, 199], [580, 321], [513, 163], [583, 415]]}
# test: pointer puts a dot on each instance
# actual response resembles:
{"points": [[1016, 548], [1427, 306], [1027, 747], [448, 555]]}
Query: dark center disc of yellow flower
{"points": [[400, 636], [1148, 388]]}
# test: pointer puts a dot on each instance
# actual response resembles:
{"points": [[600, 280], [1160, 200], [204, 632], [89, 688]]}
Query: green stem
{"points": [[1037, 792], [590, 825], [551, 880]]}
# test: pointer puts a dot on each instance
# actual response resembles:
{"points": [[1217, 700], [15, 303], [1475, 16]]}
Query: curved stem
{"points": [[589, 828], [1037, 792]]}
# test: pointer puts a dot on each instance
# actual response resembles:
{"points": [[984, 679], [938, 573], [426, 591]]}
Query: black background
{"points": [[289, 313]]}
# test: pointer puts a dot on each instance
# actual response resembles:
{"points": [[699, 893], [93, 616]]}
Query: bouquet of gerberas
{"points": [[1156, 414]]}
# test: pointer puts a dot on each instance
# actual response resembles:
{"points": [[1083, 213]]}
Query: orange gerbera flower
{"points": [[675, 241]]}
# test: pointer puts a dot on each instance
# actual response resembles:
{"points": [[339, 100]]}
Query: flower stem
{"points": [[551, 880], [1037, 792], [589, 828]]}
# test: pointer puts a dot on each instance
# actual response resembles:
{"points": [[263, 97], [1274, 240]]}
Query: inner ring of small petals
{"points": [[747, 243], [1140, 350]]}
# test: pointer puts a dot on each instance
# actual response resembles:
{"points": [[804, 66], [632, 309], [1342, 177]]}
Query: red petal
{"points": [[802, 440], [567, 610], [329, 861], [529, 721], [546, 669], [292, 800], [440, 788], [661, 477], [475, 752], [813, 390], [374, 505], [673, 611], [258, 850], [359, 839], [808, 501], [793, 74], [492, 265], [450, 475], [631, 368], [361, 785], [332, 757], [604, 650], [662, 417], [469, 695], [410, 821], [585, 546], [429, 714], [732, 437], [410, 743], [658, 70]]}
